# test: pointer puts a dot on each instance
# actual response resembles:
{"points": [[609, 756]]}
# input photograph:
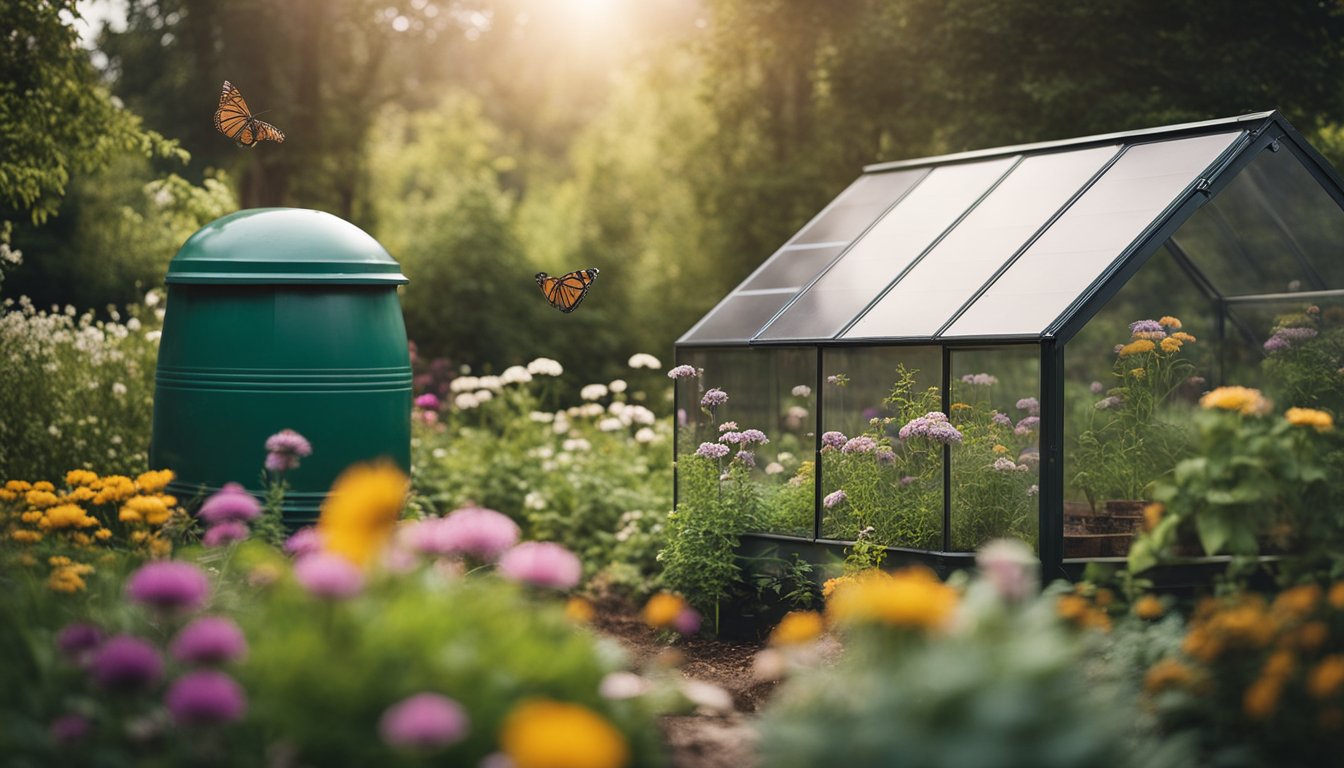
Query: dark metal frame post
{"points": [[1050, 528]]}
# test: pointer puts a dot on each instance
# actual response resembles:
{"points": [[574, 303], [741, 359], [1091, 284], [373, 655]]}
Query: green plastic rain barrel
{"points": [[280, 318]]}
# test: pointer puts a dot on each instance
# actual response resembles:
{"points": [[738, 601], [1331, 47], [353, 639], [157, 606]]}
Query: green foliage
{"points": [[78, 392]]}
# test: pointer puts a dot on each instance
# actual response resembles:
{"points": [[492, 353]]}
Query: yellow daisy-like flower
{"points": [[154, 480], [1262, 698], [81, 494], [151, 509], [1170, 322], [1137, 347], [32, 517], [911, 597], [25, 537], [542, 733], [1171, 344], [80, 477], [8, 495], [1138, 373], [828, 588], [102, 534], [1243, 400], [363, 506], [1152, 515], [128, 515], [1167, 674], [40, 499], [579, 611], [961, 406], [1310, 417], [114, 488], [662, 610], [1327, 678], [1297, 602], [1183, 337], [797, 627], [160, 548], [18, 486], [67, 516], [1000, 449], [1149, 608], [43, 485], [68, 580]]}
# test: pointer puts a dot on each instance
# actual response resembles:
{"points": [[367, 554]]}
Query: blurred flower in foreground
{"points": [[206, 697], [481, 533], [284, 449], [358, 514], [424, 721], [911, 597], [1011, 567], [327, 575], [209, 640], [668, 611], [579, 611], [232, 503], [169, 586], [126, 663], [797, 627], [541, 733], [542, 564]]}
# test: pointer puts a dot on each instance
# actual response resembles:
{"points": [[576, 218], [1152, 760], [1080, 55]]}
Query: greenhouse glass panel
{"points": [[937, 286], [996, 463], [886, 250], [1134, 375], [1274, 229], [1292, 350], [739, 316], [858, 206], [870, 478], [760, 390], [793, 267], [1087, 239]]}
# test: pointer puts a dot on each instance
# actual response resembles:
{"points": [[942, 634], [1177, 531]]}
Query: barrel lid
{"points": [[270, 246]]}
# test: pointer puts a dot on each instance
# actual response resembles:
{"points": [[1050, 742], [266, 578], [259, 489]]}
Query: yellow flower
{"points": [[1170, 322], [57, 561], [18, 486], [1326, 679], [81, 477], [26, 537], [1171, 344], [1000, 449], [1137, 347], [1243, 400], [39, 498], [149, 508], [102, 534], [1310, 417], [359, 513], [1077, 610], [154, 480], [31, 517], [43, 485], [1311, 636], [1183, 337], [68, 516], [1262, 698], [65, 580], [1152, 515], [961, 406], [541, 733], [160, 548], [663, 609], [828, 588], [82, 493], [1138, 373], [8, 495], [128, 515], [1336, 596], [1297, 602], [797, 627], [1149, 608], [579, 611], [114, 488], [1167, 673], [82, 539], [911, 597]]}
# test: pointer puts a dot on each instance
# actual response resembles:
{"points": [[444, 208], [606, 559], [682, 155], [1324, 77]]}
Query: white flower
{"points": [[464, 384], [593, 392], [802, 390], [541, 452], [484, 395], [623, 685], [544, 366], [618, 386], [645, 435], [439, 453], [153, 336], [515, 374], [638, 414], [575, 444], [610, 425], [490, 382], [541, 417], [133, 324], [116, 439], [466, 401], [118, 389], [643, 360], [774, 468], [152, 299], [561, 425], [534, 500], [590, 410], [53, 430]]}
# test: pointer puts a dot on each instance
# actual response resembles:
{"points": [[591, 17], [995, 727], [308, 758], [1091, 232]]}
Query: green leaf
{"points": [[1214, 533]]}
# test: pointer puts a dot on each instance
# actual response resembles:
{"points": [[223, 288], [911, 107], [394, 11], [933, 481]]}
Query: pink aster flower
{"points": [[476, 531], [833, 440], [682, 372], [424, 721], [169, 585], [126, 663], [541, 564], [714, 397], [833, 498], [284, 449], [232, 503], [327, 575], [224, 534], [209, 640], [206, 697], [428, 401], [78, 641], [304, 541], [712, 450]]}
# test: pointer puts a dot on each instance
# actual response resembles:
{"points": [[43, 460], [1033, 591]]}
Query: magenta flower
{"points": [[1002, 419], [714, 397], [476, 531], [224, 534], [76, 642], [1276, 344], [1146, 327], [424, 721], [833, 440], [126, 663], [328, 575], [933, 426], [541, 564], [304, 541], [232, 503], [285, 448], [68, 730], [833, 498], [1026, 425], [428, 401], [169, 585], [712, 450], [687, 622], [209, 640], [206, 697]]}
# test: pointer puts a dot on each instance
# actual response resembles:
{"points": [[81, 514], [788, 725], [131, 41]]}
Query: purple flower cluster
{"points": [[328, 575], [209, 640], [126, 663], [1005, 464], [78, 641], [833, 498], [1029, 456], [1147, 329], [682, 372], [714, 398], [428, 401], [304, 541], [284, 449], [1283, 338], [205, 697], [1109, 403], [542, 564], [747, 458], [423, 721], [1031, 405], [833, 440], [860, 444], [1097, 388], [1002, 419], [980, 379], [712, 450], [168, 586], [481, 533], [1026, 425], [886, 456], [932, 425], [226, 514]]}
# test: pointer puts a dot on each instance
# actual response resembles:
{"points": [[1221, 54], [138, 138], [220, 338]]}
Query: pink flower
{"points": [[285, 448], [481, 533], [429, 401], [168, 586], [67, 730], [542, 564], [209, 640], [327, 575], [206, 697], [77, 642], [1011, 567], [304, 541], [424, 721], [126, 663], [687, 622], [225, 533], [232, 503]]}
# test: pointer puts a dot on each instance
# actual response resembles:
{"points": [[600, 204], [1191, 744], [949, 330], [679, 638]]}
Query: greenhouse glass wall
{"points": [[1013, 342]]}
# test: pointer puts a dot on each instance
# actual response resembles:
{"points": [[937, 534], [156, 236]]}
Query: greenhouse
{"points": [[1015, 341]]}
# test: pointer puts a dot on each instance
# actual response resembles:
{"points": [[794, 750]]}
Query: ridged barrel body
{"points": [[280, 318]]}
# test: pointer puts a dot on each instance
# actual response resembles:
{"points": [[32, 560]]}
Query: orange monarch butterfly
{"points": [[565, 292], [234, 120]]}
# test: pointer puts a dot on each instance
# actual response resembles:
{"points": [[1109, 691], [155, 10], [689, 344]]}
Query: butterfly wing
{"points": [[263, 131], [232, 117], [565, 292]]}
